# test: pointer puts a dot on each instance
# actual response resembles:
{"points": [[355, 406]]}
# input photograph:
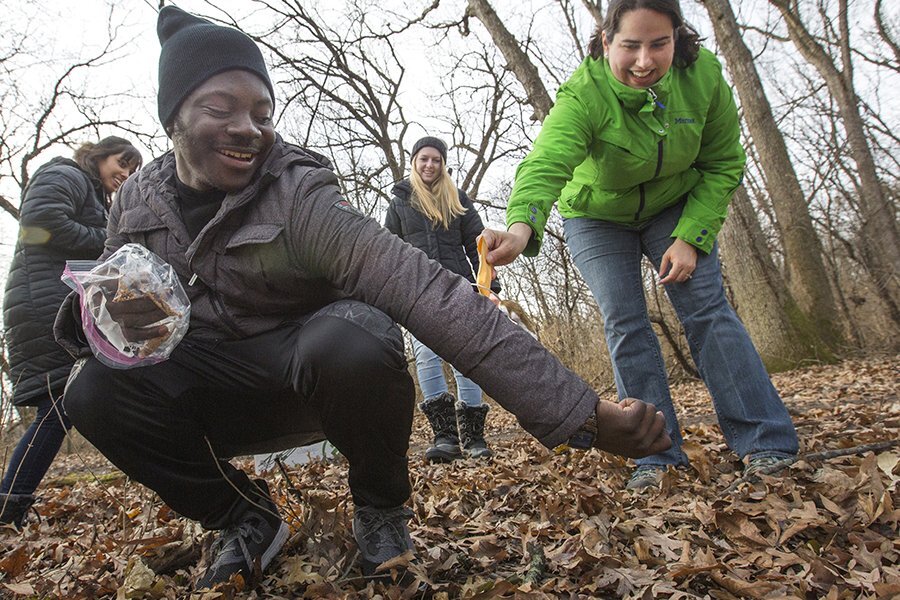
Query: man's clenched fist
{"points": [[631, 428]]}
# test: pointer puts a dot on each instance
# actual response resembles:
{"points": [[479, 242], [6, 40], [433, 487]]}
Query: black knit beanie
{"points": [[193, 50], [431, 142]]}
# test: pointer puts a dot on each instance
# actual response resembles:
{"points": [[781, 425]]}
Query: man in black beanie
{"points": [[294, 297]]}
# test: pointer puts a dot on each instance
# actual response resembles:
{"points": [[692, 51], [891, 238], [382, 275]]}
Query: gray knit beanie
{"points": [[431, 142], [193, 50]]}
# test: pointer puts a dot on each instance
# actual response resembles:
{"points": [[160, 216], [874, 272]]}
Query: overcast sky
{"points": [[67, 30]]}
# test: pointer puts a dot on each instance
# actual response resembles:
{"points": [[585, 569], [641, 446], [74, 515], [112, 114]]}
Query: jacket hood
{"points": [[62, 161], [402, 189]]}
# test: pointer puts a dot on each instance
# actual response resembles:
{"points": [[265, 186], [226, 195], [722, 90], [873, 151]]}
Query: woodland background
{"points": [[810, 253]]}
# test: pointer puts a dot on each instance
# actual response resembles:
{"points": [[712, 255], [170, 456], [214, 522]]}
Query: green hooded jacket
{"points": [[610, 152]]}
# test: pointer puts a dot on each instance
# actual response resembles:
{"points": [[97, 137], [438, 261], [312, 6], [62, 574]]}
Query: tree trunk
{"points": [[782, 334], [805, 274], [516, 58], [880, 239]]}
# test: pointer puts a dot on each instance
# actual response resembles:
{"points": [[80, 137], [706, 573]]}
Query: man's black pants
{"points": [[342, 374]]}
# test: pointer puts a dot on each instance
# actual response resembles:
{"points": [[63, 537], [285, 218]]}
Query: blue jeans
{"points": [[751, 414], [430, 372], [36, 450]]}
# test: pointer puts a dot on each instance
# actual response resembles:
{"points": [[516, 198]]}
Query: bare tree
{"points": [[63, 111], [485, 117], [595, 8], [804, 270], [880, 241], [887, 33], [516, 57], [783, 336]]}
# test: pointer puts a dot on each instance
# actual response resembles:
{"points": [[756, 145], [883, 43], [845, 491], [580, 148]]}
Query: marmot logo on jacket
{"points": [[685, 120]]}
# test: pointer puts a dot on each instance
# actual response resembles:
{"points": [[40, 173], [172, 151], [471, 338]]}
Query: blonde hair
{"points": [[438, 201]]}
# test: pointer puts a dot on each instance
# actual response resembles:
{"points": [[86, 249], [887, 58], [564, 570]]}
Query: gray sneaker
{"points": [[381, 534], [759, 465], [250, 543], [646, 476]]}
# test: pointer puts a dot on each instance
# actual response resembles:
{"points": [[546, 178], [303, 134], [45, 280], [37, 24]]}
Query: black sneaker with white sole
{"points": [[250, 543]]}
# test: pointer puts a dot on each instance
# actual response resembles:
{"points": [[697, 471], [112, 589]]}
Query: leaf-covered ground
{"points": [[531, 523]]}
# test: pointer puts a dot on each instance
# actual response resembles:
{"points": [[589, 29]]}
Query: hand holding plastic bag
{"points": [[134, 310]]}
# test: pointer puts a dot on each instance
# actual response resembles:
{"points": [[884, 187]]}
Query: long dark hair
{"points": [[687, 40], [89, 154]]}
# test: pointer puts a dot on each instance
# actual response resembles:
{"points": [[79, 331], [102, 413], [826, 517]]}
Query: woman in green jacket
{"points": [[642, 153]]}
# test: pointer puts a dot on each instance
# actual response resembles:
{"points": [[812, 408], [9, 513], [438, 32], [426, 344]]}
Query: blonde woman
{"points": [[430, 213]]}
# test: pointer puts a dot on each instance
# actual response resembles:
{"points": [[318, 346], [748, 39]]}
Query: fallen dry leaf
{"points": [[822, 528]]}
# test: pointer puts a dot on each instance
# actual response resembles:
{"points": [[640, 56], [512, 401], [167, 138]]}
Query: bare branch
{"points": [[516, 58], [596, 10], [885, 31]]}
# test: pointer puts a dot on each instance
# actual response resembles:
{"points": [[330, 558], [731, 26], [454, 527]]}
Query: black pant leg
{"points": [[143, 421], [351, 365], [166, 424]]}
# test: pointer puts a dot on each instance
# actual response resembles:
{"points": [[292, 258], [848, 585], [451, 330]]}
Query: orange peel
{"points": [[483, 280]]}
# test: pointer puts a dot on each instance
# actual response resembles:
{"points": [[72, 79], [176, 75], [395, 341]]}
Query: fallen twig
{"points": [[71, 479], [822, 455], [537, 565]]}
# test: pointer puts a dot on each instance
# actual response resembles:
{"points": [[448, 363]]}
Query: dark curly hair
{"points": [[687, 40], [89, 154]]}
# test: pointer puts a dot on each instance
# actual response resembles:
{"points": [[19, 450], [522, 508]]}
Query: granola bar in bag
{"points": [[132, 273]]}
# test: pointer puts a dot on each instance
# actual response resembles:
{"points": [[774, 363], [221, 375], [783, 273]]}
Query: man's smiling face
{"points": [[223, 132]]}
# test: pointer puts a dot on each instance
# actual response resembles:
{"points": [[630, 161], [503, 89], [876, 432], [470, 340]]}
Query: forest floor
{"points": [[531, 523]]}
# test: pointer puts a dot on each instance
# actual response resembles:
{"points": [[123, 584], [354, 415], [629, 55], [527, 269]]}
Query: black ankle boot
{"points": [[442, 416], [471, 429], [13, 508]]}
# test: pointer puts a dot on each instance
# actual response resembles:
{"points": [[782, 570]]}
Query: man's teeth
{"points": [[238, 155], [640, 73]]}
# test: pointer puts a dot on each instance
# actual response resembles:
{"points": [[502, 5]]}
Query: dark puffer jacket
{"points": [[455, 248], [63, 217]]}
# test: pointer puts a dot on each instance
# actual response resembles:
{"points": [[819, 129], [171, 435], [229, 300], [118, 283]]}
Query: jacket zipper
{"points": [[641, 204], [223, 314], [659, 159], [656, 99], [219, 309]]}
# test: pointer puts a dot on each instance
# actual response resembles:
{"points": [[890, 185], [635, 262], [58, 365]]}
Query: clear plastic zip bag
{"points": [[135, 277]]}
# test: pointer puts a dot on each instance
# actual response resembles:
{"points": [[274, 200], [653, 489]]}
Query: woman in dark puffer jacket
{"points": [[430, 213], [63, 217]]}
